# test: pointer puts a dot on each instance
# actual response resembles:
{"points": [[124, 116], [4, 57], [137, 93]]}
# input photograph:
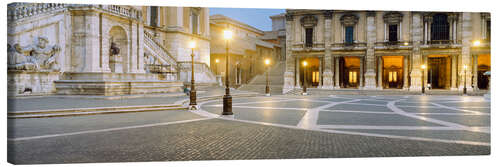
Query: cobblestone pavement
{"points": [[263, 128]]}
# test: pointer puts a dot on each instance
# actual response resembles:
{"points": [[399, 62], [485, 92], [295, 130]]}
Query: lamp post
{"points": [[227, 99], [304, 89], [267, 62], [192, 93], [423, 85], [465, 79]]}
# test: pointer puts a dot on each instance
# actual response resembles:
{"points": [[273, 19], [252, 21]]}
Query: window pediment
{"points": [[309, 21], [349, 19], [393, 17]]}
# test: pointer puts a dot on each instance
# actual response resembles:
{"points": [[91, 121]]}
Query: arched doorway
{"points": [[118, 38]]}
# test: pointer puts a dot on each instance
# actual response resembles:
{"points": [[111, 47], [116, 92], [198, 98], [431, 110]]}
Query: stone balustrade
{"points": [[17, 11], [123, 11], [161, 52]]}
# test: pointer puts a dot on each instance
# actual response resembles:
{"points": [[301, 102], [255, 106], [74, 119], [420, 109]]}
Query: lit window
{"points": [[315, 76], [352, 77]]}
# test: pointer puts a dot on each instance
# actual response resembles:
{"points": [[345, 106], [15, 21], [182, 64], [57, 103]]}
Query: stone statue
{"points": [[114, 50], [37, 56]]}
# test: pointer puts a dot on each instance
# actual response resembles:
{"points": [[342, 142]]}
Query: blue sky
{"points": [[258, 18]]}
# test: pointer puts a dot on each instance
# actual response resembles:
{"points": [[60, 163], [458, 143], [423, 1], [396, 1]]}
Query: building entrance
{"points": [[483, 65], [311, 72], [438, 74], [393, 72], [349, 72]]}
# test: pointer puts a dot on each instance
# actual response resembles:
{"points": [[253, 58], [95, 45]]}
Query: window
{"points": [[440, 27], [393, 33], [315, 77], [194, 23], [309, 37], [349, 36], [154, 16], [393, 76], [352, 77], [488, 30]]}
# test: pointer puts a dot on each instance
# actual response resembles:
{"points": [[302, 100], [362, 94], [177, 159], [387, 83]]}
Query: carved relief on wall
{"points": [[349, 19], [37, 56], [309, 21]]}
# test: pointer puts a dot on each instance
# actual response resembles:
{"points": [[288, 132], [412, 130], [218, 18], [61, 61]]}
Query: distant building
{"points": [[247, 51], [385, 50]]}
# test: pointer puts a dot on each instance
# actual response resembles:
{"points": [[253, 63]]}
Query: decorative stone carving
{"points": [[309, 21], [393, 17], [349, 19], [37, 56], [289, 17], [328, 14]]}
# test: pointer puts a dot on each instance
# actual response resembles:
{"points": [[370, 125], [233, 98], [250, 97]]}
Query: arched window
{"points": [[440, 27]]}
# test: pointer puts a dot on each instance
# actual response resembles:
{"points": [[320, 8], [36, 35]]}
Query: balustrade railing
{"points": [[17, 11], [161, 52]]}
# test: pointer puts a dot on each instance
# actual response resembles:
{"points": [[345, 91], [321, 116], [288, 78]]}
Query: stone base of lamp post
{"points": [[227, 105], [192, 100]]}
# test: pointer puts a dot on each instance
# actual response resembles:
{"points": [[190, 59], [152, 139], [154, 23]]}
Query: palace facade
{"points": [[375, 50], [247, 50]]}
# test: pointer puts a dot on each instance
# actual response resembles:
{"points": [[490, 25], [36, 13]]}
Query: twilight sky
{"points": [[258, 18]]}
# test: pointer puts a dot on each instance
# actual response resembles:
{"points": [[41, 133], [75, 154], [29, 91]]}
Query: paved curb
{"points": [[178, 105]]}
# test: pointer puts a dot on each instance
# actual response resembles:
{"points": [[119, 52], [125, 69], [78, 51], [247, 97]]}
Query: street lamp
{"points": [[267, 62], [304, 89], [465, 79], [227, 99], [192, 93], [423, 71], [476, 43]]}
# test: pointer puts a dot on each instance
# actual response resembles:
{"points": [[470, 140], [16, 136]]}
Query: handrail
{"points": [[150, 37]]}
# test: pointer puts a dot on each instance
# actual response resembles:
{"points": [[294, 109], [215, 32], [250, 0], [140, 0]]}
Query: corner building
{"points": [[376, 50]]}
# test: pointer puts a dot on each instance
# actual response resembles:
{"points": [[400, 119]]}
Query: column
{"points": [[327, 74], [290, 67], [361, 71], [337, 73], [405, 72], [379, 72], [453, 72], [298, 84], [370, 53], [320, 85], [425, 71], [416, 37], [425, 33], [474, 72]]}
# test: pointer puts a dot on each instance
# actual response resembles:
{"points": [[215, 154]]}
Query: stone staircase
{"points": [[276, 80]]}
